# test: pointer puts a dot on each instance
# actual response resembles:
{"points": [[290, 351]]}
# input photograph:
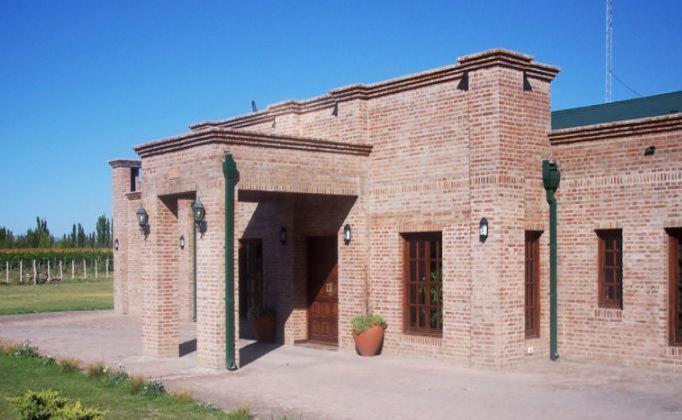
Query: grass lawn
{"points": [[18, 375], [66, 296]]}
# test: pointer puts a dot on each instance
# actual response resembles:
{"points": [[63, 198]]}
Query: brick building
{"points": [[409, 168]]}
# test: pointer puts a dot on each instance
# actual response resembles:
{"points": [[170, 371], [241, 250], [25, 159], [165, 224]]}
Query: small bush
{"points": [[76, 411], [48, 361], [116, 378], [182, 396], [361, 324], [6, 348], [97, 370], [153, 389], [49, 404], [136, 384], [25, 350], [242, 412], [68, 365], [38, 405], [207, 406]]}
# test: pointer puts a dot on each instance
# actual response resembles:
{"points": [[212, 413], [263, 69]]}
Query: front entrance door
{"points": [[323, 296]]}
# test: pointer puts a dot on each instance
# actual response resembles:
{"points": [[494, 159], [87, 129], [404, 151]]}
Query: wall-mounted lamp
{"points": [[199, 213], [115, 244], [182, 241], [143, 221], [283, 235], [347, 234], [483, 230], [650, 151]]}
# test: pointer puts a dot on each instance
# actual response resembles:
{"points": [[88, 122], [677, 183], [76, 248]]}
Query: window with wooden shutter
{"points": [[610, 268], [532, 270], [675, 285], [423, 281]]}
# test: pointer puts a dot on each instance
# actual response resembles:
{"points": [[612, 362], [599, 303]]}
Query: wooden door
{"points": [[323, 296]]}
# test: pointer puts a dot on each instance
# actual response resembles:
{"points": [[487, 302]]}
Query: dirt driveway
{"points": [[310, 383]]}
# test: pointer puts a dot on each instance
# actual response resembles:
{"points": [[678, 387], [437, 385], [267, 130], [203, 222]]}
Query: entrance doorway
{"points": [[323, 296]]}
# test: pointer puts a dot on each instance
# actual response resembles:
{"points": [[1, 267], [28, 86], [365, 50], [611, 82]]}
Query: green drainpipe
{"points": [[230, 173], [194, 274], [550, 178]]}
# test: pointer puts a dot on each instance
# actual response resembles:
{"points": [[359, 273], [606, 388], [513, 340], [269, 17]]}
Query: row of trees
{"points": [[40, 236]]}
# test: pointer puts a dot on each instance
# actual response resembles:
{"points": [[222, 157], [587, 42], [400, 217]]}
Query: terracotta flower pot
{"points": [[264, 327], [369, 343]]}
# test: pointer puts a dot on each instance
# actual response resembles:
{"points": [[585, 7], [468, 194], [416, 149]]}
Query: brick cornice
{"points": [[486, 59], [124, 163], [218, 135], [509, 59], [618, 129], [342, 94]]}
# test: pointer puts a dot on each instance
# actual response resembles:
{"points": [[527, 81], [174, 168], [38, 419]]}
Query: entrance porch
{"points": [[289, 260]]}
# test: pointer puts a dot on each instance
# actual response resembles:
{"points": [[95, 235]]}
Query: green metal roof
{"points": [[648, 106]]}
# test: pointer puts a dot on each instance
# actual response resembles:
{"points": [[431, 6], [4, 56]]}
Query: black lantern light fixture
{"points": [[116, 244], [283, 235], [483, 230], [199, 213], [182, 241], [143, 221], [347, 234]]}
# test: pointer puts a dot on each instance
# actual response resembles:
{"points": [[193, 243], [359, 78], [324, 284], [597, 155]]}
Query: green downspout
{"points": [[194, 278], [551, 178], [230, 174]]}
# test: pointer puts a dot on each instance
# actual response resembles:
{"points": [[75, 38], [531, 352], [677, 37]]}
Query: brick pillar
{"points": [[282, 282], [501, 107], [211, 278], [122, 173], [355, 288], [160, 314]]}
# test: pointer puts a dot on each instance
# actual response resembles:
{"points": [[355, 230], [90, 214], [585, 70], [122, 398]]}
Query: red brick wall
{"points": [[609, 183], [442, 158]]}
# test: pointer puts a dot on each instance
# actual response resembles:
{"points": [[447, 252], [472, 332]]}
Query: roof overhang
{"points": [[617, 129], [219, 135]]}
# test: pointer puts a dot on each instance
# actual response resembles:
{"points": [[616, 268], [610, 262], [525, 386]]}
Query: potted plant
{"points": [[368, 333], [262, 322]]}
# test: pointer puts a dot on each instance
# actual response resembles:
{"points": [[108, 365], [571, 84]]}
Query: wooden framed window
{"points": [[675, 285], [610, 268], [423, 281], [250, 274], [532, 259]]}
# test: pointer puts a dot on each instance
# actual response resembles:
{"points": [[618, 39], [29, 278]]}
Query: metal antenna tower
{"points": [[609, 50]]}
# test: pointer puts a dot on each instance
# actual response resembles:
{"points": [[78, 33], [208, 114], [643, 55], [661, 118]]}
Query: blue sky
{"points": [[82, 82]]}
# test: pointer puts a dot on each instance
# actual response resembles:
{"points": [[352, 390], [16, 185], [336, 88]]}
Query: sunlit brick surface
{"points": [[435, 151]]}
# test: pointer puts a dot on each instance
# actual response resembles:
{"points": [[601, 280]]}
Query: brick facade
{"points": [[608, 183], [435, 151]]}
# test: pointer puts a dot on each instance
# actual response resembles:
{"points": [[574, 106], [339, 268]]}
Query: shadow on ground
{"points": [[254, 351]]}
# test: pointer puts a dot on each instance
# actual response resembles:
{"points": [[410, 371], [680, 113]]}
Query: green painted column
{"points": [[194, 272], [551, 178], [230, 174]]}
